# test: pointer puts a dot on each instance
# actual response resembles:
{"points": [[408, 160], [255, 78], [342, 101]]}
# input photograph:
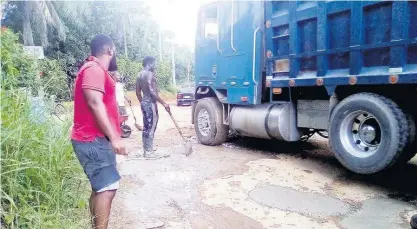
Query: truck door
{"points": [[241, 50], [206, 44]]}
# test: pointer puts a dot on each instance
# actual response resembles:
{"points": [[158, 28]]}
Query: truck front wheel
{"points": [[208, 122], [368, 132]]}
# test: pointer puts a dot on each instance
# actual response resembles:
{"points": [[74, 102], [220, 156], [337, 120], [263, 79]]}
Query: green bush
{"points": [[164, 74], [23, 71], [42, 184], [54, 79], [172, 89], [19, 69], [129, 70]]}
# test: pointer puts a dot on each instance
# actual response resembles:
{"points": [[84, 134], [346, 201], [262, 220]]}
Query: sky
{"points": [[179, 16]]}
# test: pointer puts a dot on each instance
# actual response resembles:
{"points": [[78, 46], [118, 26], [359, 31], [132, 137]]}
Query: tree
{"points": [[128, 24], [34, 17]]}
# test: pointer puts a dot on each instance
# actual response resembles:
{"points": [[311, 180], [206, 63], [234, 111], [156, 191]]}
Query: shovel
{"points": [[188, 147], [131, 109]]}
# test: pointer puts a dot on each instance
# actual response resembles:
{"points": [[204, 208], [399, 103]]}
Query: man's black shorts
{"points": [[98, 161]]}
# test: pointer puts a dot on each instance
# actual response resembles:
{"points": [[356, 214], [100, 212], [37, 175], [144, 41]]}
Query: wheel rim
{"points": [[361, 134], [203, 122]]}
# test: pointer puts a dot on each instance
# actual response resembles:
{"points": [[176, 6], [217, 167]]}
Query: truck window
{"points": [[210, 26]]}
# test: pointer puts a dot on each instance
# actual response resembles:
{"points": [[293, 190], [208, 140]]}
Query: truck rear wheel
{"points": [[410, 150], [208, 122], [368, 132]]}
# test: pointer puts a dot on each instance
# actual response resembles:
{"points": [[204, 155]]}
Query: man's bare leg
{"points": [[92, 197], [102, 206]]}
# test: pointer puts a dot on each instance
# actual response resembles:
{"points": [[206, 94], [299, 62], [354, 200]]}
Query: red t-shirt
{"points": [[93, 76]]}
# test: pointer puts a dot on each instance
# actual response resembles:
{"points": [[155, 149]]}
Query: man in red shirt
{"points": [[96, 131]]}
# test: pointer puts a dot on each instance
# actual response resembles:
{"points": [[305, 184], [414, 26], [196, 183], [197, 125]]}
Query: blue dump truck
{"points": [[285, 70]]}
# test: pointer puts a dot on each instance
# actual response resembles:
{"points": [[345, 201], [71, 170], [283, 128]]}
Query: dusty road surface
{"points": [[248, 183]]}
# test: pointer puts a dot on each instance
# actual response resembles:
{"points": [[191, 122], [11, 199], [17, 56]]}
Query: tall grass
{"points": [[42, 184]]}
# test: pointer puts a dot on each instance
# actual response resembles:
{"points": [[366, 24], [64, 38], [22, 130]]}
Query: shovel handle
{"points": [[131, 109], [176, 125]]}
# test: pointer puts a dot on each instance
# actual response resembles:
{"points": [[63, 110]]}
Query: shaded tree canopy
{"points": [[65, 29]]}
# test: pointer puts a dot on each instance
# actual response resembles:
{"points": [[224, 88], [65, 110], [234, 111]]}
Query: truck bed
{"points": [[332, 43]]}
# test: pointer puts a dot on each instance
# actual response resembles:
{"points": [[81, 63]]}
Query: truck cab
{"points": [[229, 50], [284, 70]]}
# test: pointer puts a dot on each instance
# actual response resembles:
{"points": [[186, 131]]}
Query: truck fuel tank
{"points": [[268, 121]]}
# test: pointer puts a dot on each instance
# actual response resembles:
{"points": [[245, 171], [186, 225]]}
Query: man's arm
{"points": [[93, 86], [138, 89], [94, 100]]}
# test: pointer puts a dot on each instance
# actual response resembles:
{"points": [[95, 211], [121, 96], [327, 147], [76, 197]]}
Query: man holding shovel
{"points": [[146, 84]]}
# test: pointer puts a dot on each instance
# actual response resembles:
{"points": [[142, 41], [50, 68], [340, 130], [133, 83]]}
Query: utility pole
{"points": [[130, 27], [124, 33], [160, 44], [173, 66], [188, 73]]}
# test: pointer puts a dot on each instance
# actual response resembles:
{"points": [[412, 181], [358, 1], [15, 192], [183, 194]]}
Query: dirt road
{"points": [[250, 183]]}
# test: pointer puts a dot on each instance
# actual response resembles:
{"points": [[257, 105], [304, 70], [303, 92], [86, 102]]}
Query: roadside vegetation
{"points": [[42, 184]]}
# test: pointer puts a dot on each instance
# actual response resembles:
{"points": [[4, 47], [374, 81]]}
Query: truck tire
{"points": [[410, 150], [368, 132], [208, 122]]}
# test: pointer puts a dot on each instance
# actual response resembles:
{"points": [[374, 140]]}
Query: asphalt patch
{"points": [[379, 213], [306, 203]]}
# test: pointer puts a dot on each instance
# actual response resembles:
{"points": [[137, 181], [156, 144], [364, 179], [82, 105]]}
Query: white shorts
{"points": [[113, 186]]}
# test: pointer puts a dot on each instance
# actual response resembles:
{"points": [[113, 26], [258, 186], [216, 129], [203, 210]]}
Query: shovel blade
{"points": [[138, 127], [188, 148]]}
